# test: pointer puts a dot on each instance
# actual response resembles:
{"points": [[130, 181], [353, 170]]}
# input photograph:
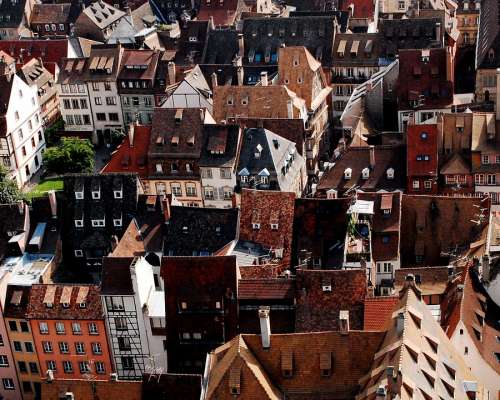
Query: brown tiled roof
{"points": [[378, 312], [267, 207], [266, 289], [131, 58], [116, 279], [51, 13], [322, 294], [81, 389], [41, 295]]}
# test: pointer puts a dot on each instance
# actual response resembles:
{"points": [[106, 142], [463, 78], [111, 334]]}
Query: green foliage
{"points": [[44, 186], [51, 132], [9, 192], [72, 155]]}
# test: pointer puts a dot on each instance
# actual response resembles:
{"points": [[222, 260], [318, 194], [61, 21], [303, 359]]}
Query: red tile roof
{"points": [[378, 312], [266, 289], [131, 158], [222, 12]]}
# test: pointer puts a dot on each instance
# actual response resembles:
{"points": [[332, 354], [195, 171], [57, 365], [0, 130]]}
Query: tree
{"points": [[9, 192], [71, 155]]}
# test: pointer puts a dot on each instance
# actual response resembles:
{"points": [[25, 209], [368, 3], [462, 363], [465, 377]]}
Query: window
{"points": [[13, 326], [479, 179], [17, 346], [118, 194], [33, 367], [101, 116], [84, 367], [117, 222], [4, 362], [225, 173], [77, 330], [107, 86], [83, 104], [78, 120], [490, 179], [111, 101], [228, 193], [93, 330], [8, 383], [51, 365], [63, 347], [23, 151], [86, 119], [33, 143], [159, 168], [16, 116], [66, 104], [23, 369], [176, 189], [99, 367], [127, 363], [124, 343], [95, 86], [209, 193], [190, 190], [60, 328], [416, 185], [78, 253], [113, 117], [96, 348], [114, 304], [44, 328], [98, 223], [68, 367], [121, 324], [401, 5], [485, 159], [80, 348], [28, 346], [47, 347], [69, 120], [427, 184], [61, 27], [97, 101]]}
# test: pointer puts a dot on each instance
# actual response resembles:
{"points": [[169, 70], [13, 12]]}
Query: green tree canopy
{"points": [[9, 192], [71, 155]]}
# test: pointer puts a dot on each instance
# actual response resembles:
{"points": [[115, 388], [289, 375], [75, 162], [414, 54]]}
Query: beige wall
{"points": [[156, 186]]}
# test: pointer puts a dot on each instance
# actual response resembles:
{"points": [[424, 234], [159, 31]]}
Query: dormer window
{"points": [[255, 226], [79, 223], [117, 222], [390, 173], [347, 173], [79, 195], [98, 223], [65, 305], [274, 226], [296, 62], [118, 194], [96, 194], [82, 305], [193, 39], [78, 253], [491, 54], [365, 173]]}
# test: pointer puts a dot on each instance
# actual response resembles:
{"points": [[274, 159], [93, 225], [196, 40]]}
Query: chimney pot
{"points": [[265, 326]]}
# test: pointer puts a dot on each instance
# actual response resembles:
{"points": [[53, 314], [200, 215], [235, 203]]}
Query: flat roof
{"points": [[25, 270]]}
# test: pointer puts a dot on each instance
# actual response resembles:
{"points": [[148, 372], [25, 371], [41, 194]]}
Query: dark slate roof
{"points": [[222, 46], [193, 230], [17, 310], [368, 51], [116, 279], [342, 17], [171, 386], [227, 74], [12, 217], [264, 35], [216, 139], [358, 158], [488, 36], [414, 33], [12, 13], [5, 89]]}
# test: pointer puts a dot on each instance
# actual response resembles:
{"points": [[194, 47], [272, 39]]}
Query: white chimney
{"points": [[171, 72], [131, 134], [289, 108], [241, 75], [438, 31], [241, 45], [265, 326], [344, 322], [53, 203], [214, 80], [372, 157], [263, 78]]}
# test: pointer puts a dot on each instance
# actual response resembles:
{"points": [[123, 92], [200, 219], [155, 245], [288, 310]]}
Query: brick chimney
{"points": [[171, 72], [265, 326]]}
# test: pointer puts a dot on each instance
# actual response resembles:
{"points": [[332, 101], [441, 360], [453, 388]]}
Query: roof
{"points": [[221, 146], [176, 133], [42, 296], [51, 13], [417, 336], [222, 46], [266, 289], [126, 390], [16, 301], [378, 311], [429, 280], [268, 208], [357, 159], [222, 13], [422, 150], [176, 386], [259, 372], [322, 294], [357, 49], [50, 51], [131, 154], [13, 218], [265, 35], [116, 279], [319, 228], [12, 14], [197, 231], [437, 227], [102, 14], [488, 35], [456, 165], [139, 64], [359, 8], [484, 125]]}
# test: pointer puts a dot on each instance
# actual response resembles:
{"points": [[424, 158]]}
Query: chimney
{"points": [[263, 78], [241, 74], [438, 31], [241, 45], [409, 281], [344, 322], [131, 134], [400, 323], [289, 108], [214, 80], [53, 203], [171, 72], [265, 326], [370, 292], [372, 157]]}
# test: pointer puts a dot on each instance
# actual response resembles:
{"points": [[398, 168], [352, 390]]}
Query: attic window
{"points": [[79, 223], [96, 194], [118, 194], [365, 173], [274, 227], [78, 253], [79, 195], [98, 223], [390, 173], [296, 62], [287, 364], [347, 173], [255, 226]]}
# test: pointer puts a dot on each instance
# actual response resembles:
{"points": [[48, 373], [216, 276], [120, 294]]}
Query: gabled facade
{"points": [[98, 21], [422, 159]]}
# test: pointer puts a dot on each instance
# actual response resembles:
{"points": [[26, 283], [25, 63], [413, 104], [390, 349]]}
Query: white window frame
{"points": [[78, 253], [118, 194], [78, 223]]}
